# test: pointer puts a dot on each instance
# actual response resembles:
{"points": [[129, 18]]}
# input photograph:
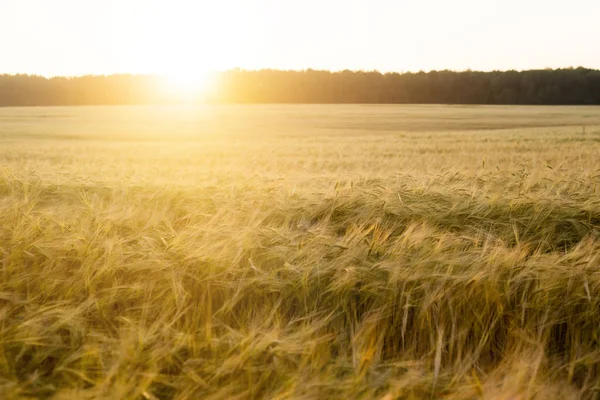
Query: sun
{"points": [[189, 85]]}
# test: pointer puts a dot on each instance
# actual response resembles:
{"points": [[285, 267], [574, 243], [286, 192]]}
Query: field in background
{"points": [[300, 252]]}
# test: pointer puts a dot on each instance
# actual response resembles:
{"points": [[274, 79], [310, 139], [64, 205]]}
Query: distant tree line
{"points": [[575, 86]]}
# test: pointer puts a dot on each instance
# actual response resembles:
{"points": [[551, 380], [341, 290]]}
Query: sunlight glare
{"points": [[189, 85]]}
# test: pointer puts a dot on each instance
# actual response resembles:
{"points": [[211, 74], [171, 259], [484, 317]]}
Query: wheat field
{"points": [[300, 252]]}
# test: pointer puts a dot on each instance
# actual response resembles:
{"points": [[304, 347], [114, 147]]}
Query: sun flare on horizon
{"points": [[189, 84]]}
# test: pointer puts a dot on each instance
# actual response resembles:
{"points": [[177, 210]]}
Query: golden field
{"points": [[233, 252]]}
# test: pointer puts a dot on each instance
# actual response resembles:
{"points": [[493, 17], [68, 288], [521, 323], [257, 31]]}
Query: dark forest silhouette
{"points": [[561, 86]]}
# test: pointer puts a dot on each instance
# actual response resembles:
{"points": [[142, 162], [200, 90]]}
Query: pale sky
{"points": [[77, 37]]}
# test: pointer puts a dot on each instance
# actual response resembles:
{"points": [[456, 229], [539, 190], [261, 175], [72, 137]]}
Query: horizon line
{"points": [[239, 69]]}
